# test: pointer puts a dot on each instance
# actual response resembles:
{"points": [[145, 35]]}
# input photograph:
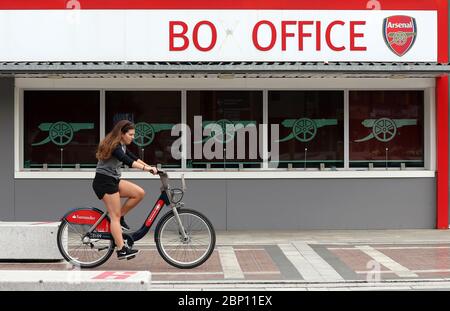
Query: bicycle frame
{"points": [[164, 199]]}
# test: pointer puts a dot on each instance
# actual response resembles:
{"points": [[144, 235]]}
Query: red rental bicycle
{"points": [[184, 238]]}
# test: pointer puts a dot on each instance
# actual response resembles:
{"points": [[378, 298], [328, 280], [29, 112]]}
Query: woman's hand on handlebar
{"points": [[153, 170]]}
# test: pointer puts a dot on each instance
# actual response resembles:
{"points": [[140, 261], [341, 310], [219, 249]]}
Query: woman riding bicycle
{"points": [[107, 185]]}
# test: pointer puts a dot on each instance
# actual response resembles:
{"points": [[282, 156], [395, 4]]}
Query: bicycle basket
{"points": [[176, 194]]}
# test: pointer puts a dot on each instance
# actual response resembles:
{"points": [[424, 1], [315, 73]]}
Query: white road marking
{"points": [[386, 261], [319, 264], [392, 247], [414, 271], [303, 266], [213, 273], [230, 264]]}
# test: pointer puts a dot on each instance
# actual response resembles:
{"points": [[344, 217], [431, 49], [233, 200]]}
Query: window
{"points": [[61, 129], [306, 128], [311, 130], [233, 118], [386, 128], [154, 113]]}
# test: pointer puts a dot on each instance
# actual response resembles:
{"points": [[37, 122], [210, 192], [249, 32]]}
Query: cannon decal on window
{"points": [[305, 129], [145, 132], [384, 129], [61, 133]]}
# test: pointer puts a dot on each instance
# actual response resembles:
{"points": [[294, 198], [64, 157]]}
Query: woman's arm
{"points": [[131, 160], [142, 162], [147, 166], [139, 164]]}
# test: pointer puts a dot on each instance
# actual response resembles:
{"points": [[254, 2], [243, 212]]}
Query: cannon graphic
{"points": [[305, 129], [224, 130], [61, 133], [400, 38], [145, 132], [384, 129]]}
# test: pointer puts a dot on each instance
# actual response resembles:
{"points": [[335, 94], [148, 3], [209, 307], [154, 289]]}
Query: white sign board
{"points": [[218, 35]]}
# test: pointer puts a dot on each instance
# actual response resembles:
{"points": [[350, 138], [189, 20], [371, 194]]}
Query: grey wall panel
{"points": [[260, 204], [209, 198], [7, 140], [331, 204], [48, 200], [269, 204]]}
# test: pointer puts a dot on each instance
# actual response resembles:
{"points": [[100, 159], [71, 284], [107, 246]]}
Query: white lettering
{"points": [[189, 301], [85, 217], [400, 25]]}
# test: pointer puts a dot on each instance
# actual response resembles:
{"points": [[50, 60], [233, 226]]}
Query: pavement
{"points": [[283, 260]]}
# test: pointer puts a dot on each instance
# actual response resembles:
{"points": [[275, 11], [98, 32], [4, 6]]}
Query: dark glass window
{"points": [[386, 128], [154, 113], [228, 110], [311, 129], [61, 128]]}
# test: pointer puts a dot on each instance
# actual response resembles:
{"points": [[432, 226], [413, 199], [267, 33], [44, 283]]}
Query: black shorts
{"points": [[103, 184]]}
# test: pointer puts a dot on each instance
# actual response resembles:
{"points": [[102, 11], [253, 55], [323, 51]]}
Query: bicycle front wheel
{"points": [[189, 252]]}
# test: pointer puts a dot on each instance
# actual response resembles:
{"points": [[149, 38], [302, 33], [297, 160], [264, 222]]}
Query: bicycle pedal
{"points": [[131, 257]]}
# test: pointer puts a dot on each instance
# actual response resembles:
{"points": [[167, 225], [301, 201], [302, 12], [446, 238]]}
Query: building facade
{"points": [[343, 106]]}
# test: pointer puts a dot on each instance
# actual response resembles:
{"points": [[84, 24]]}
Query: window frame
{"points": [[19, 95], [263, 162], [429, 131], [344, 105], [258, 84], [103, 114]]}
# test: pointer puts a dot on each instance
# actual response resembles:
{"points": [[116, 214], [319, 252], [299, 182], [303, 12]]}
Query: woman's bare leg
{"points": [[112, 202], [133, 192]]}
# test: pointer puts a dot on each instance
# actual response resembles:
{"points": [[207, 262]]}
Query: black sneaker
{"points": [[124, 224], [127, 253]]}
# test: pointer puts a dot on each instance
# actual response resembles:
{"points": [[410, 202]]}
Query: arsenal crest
{"points": [[399, 33]]}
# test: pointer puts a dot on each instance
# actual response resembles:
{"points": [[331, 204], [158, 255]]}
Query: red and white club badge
{"points": [[400, 33]]}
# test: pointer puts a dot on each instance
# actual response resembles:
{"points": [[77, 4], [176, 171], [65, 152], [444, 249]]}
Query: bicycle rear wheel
{"points": [[79, 250], [181, 253]]}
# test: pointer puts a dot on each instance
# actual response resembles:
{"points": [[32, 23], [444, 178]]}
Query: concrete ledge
{"points": [[21, 280], [29, 241]]}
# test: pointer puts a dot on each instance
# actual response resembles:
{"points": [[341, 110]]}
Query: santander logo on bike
{"points": [[83, 217], [400, 33]]}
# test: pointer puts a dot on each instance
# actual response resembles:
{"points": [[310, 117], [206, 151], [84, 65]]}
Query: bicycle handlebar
{"points": [[165, 179]]}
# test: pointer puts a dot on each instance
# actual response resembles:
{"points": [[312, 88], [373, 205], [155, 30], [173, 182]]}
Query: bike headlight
{"points": [[177, 195]]}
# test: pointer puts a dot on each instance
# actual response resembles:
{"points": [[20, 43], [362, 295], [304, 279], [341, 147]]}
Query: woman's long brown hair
{"points": [[110, 142]]}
